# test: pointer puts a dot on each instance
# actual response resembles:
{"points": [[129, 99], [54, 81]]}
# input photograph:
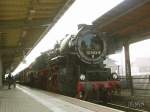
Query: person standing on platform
{"points": [[9, 80]]}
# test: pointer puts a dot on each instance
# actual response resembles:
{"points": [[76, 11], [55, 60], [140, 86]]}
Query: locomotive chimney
{"points": [[81, 26]]}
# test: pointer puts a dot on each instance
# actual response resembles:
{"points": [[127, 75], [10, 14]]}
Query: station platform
{"points": [[25, 99]]}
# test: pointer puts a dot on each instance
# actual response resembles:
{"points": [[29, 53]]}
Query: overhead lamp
{"points": [[32, 11], [24, 33]]}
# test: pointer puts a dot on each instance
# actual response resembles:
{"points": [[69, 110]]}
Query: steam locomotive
{"points": [[75, 66]]}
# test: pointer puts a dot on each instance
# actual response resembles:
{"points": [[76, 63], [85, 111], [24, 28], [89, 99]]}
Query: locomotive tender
{"points": [[77, 61]]}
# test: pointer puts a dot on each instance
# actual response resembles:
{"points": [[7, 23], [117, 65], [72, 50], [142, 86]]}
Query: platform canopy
{"points": [[129, 21], [23, 22]]}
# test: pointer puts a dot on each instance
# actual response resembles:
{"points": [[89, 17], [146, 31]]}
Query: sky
{"points": [[81, 12], [140, 49]]}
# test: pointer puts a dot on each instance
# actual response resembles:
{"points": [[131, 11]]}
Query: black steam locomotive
{"points": [[77, 61]]}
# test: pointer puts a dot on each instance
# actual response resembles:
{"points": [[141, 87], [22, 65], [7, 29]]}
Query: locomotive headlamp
{"points": [[114, 76], [82, 77]]}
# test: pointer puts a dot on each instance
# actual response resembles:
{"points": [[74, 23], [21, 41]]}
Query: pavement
{"points": [[25, 99]]}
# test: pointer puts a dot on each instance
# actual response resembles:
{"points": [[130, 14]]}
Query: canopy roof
{"points": [[23, 22], [129, 21]]}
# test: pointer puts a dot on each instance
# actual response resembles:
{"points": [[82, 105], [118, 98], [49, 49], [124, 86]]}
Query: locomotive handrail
{"points": [[135, 78]]}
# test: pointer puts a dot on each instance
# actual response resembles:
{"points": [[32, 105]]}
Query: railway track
{"points": [[119, 107], [124, 108]]}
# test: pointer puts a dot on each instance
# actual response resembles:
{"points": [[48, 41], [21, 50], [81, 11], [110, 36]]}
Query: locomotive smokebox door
{"points": [[90, 46]]}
